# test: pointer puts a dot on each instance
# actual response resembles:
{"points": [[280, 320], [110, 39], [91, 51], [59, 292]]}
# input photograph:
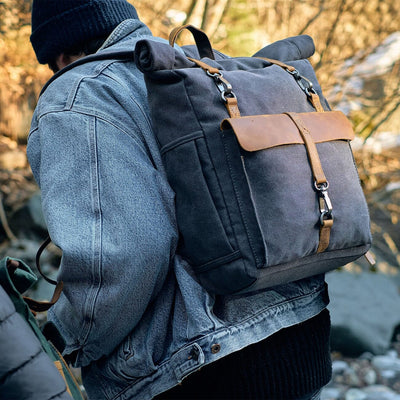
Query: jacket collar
{"points": [[128, 30]]}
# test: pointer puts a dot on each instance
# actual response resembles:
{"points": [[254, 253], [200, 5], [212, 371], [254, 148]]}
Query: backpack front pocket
{"points": [[290, 206]]}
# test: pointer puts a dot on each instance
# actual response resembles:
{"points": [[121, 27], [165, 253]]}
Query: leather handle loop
{"points": [[202, 42]]}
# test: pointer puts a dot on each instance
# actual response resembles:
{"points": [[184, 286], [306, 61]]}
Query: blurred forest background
{"points": [[357, 61], [345, 32]]}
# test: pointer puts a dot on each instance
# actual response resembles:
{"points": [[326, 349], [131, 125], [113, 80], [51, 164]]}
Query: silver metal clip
{"points": [[325, 204], [223, 85], [305, 84]]}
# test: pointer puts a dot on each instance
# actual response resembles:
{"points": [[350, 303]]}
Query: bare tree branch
{"points": [[314, 18], [331, 32]]}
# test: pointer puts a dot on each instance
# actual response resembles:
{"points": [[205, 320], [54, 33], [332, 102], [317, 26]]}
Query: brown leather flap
{"points": [[259, 132]]}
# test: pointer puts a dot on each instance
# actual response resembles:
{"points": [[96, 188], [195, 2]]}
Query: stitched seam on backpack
{"points": [[181, 140], [240, 204], [232, 234]]}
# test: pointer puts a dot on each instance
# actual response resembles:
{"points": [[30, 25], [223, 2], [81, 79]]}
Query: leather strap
{"points": [[312, 96], [232, 107], [202, 42], [324, 235], [40, 306], [315, 101], [319, 177], [231, 103], [204, 66], [259, 132], [312, 152], [279, 63]]}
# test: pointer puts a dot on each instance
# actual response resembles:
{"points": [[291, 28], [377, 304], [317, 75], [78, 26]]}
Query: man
{"points": [[132, 315]]}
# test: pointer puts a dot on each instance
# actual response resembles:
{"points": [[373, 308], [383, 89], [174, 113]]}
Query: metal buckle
{"points": [[307, 86], [223, 85], [325, 204]]}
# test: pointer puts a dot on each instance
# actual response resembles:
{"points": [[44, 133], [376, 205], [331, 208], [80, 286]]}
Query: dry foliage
{"points": [[341, 29]]}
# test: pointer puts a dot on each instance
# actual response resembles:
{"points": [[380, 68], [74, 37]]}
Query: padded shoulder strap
{"points": [[102, 55]]}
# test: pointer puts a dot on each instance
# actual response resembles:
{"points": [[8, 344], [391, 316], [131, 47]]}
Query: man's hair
{"points": [[84, 48]]}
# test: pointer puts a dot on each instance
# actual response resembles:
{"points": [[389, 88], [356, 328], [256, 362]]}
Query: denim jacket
{"points": [[131, 312]]}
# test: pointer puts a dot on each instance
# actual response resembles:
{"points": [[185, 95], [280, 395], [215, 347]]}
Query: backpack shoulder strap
{"points": [[102, 55]]}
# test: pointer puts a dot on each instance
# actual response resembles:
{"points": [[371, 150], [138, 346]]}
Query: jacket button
{"points": [[215, 348]]}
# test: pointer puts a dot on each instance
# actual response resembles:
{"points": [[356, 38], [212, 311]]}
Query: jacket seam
{"points": [[95, 288], [98, 115], [120, 83], [98, 70]]}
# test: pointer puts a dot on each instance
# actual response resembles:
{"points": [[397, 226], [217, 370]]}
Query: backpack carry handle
{"points": [[202, 42]]}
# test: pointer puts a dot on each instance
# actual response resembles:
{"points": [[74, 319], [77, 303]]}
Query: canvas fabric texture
{"points": [[252, 208]]}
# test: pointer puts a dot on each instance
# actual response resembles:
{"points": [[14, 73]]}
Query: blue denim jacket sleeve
{"points": [[110, 211]]}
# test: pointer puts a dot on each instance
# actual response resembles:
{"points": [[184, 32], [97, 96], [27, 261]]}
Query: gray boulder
{"points": [[365, 312]]}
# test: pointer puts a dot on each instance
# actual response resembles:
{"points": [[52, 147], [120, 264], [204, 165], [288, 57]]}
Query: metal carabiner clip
{"points": [[224, 87], [325, 204], [308, 88]]}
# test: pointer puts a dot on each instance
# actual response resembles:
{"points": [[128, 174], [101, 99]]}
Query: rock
{"points": [[366, 356], [339, 366], [24, 249], [364, 311], [386, 363], [380, 392], [35, 210], [355, 394], [388, 374], [28, 221], [370, 377], [332, 393], [352, 378], [392, 353]]}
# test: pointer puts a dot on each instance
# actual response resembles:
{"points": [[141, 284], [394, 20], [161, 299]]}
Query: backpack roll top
{"points": [[266, 187]]}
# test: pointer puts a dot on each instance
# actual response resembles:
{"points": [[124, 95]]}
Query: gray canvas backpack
{"points": [[267, 191]]}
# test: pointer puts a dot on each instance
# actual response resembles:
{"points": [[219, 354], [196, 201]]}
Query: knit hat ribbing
{"points": [[58, 25]]}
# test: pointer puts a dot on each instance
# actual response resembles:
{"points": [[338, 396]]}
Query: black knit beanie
{"points": [[58, 25]]}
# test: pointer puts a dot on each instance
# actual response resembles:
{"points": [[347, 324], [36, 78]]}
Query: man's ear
{"points": [[63, 60]]}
